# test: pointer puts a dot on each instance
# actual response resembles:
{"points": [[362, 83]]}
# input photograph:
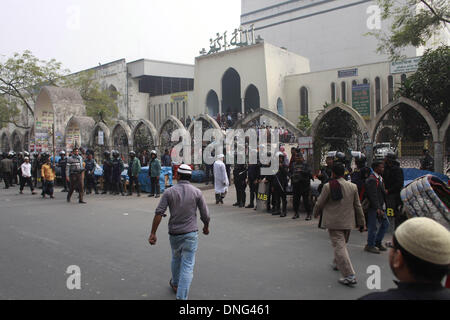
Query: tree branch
{"points": [[14, 123], [434, 12]]}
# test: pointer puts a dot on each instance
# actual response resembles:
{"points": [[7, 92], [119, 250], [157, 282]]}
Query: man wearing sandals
{"points": [[183, 200], [341, 212]]}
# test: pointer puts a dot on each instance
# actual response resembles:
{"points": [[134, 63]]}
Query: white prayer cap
{"points": [[185, 169], [220, 156]]}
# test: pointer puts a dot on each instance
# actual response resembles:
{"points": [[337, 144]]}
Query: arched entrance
{"points": [[231, 92], [212, 103], [78, 133], [144, 139], [166, 131], [5, 142], [121, 138], [415, 129], [444, 136], [339, 128], [280, 107], [100, 140], [252, 99], [17, 144], [206, 123]]}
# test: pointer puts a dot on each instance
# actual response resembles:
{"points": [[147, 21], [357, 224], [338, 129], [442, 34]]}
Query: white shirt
{"points": [[26, 170]]}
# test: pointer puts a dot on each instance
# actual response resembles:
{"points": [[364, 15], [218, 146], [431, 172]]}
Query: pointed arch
{"points": [[100, 126], [78, 129], [252, 99], [151, 141], [4, 140], [17, 141], [231, 91], [212, 103], [165, 132]]}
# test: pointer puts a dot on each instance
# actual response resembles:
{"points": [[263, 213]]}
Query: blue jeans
{"points": [[184, 248], [376, 235]]}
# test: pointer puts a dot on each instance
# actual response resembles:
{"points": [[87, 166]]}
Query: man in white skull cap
{"points": [[221, 181], [183, 200]]}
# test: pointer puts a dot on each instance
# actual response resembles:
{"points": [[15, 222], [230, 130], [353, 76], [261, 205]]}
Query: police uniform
{"points": [[107, 175], [74, 171], [240, 177], [116, 178], [90, 166]]}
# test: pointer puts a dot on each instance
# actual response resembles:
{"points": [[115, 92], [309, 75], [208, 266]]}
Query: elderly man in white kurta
{"points": [[221, 182]]}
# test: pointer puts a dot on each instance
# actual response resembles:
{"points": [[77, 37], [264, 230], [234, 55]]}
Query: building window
{"points": [[166, 113], [160, 114], [354, 83], [391, 88], [365, 81], [304, 110], [333, 92], [344, 92], [154, 114], [171, 109], [378, 94]]}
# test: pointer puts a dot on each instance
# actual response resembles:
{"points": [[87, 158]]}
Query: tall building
{"points": [[330, 33]]}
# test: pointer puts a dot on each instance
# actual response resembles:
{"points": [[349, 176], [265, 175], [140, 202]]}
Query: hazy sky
{"points": [[83, 33]]}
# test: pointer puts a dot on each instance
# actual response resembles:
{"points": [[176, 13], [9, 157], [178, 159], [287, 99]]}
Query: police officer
{"points": [[134, 168], [341, 158], [301, 184], [14, 169], [325, 173], [74, 172], [19, 161], [90, 166], [6, 168], [279, 185], [117, 169], [393, 183], [361, 173], [253, 173], [240, 182], [62, 163], [34, 168], [107, 173]]}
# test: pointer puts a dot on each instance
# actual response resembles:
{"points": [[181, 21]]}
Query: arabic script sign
{"points": [[240, 38]]}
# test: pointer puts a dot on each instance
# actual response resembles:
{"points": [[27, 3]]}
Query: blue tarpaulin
{"points": [[412, 174]]}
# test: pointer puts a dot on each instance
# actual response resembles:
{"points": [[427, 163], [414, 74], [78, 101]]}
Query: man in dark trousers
{"points": [[183, 200], [154, 172], [6, 169], [376, 194], [62, 163], [279, 185], [117, 169], [254, 173], [301, 185], [107, 173], [134, 168], [419, 257], [74, 174], [393, 182], [240, 182], [90, 166]]}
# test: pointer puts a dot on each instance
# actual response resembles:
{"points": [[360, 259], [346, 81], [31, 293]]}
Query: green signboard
{"points": [[361, 100]]}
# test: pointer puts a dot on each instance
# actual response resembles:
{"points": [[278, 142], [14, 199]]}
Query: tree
{"points": [[414, 23], [430, 85], [9, 113], [21, 78], [100, 102], [304, 123]]}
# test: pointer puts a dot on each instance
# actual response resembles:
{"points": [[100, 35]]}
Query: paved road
{"points": [[248, 255]]}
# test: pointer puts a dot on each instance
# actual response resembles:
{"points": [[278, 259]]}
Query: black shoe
{"points": [[64, 190], [157, 196], [296, 216], [96, 192], [283, 215], [242, 206], [250, 206], [151, 195], [82, 202], [308, 218], [236, 204], [276, 213], [104, 192], [381, 247]]}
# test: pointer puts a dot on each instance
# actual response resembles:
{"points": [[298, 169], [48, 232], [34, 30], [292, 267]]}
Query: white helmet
{"points": [[154, 152]]}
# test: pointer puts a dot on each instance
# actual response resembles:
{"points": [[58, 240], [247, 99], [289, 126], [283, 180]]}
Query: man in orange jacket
{"points": [[48, 178]]}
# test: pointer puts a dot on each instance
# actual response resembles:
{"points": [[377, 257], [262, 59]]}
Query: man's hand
{"points": [[152, 240], [206, 230]]}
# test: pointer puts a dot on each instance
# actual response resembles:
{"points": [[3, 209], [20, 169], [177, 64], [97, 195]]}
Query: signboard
{"points": [[101, 138], [305, 142], [348, 73], [405, 66], [179, 97], [361, 100]]}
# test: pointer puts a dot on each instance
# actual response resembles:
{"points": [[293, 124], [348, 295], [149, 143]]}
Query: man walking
{"points": [[341, 212], [107, 173], [301, 184], [134, 168], [279, 185], [155, 173], [75, 173], [48, 178], [25, 168], [117, 169], [183, 201], [221, 181], [254, 172], [240, 182], [377, 209]]}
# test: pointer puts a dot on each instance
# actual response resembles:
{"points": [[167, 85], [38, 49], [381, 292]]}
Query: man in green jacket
{"points": [[134, 168], [154, 172]]}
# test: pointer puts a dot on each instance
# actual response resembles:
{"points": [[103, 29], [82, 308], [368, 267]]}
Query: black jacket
{"points": [[393, 178], [254, 172], [411, 291], [240, 174], [375, 192]]}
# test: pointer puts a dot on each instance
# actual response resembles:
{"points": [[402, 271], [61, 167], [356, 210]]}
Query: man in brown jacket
{"points": [[340, 211]]}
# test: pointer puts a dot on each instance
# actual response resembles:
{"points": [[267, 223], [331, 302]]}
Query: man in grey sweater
{"points": [[183, 201]]}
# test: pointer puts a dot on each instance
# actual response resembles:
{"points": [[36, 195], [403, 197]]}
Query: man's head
{"points": [[47, 160], [132, 154], [90, 156], [329, 161], [62, 154], [184, 173], [75, 151], [154, 154], [166, 152], [361, 161], [390, 158], [299, 157], [378, 167], [27, 160], [420, 251], [338, 170], [425, 152]]}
